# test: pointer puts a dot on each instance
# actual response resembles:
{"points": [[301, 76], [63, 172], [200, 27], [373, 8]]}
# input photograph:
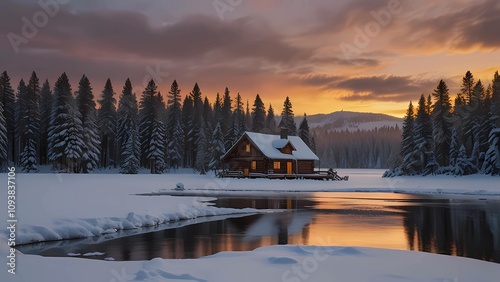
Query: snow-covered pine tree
{"points": [[28, 156], [491, 164], [441, 131], [3, 140], [128, 131], [106, 119], [147, 117], [91, 140], [45, 113], [422, 135], [270, 120], [202, 155], [175, 132], [32, 132], [156, 149], [408, 160], [187, 110], [8, 100], [217, 148], [287, 118], [258, 115], [65, 131], [463, 165], [454, 147], [20, 123], [196, 121], [304, 133]]}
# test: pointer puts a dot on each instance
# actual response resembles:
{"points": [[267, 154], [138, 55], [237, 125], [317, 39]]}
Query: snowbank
{"points": [[55, 206], [276, 263]]}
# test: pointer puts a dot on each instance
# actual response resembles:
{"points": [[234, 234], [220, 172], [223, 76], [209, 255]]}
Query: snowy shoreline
{"points": [[59, 205]]}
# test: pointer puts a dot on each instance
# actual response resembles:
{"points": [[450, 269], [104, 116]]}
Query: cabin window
{"points": [[277, 165], [247, 148], [254, 165]]}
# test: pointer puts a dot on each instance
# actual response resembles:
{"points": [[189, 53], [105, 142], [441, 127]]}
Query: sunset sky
{"points": [[277, 48]]}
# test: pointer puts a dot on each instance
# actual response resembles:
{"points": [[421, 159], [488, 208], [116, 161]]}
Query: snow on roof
{"points": [[269, 145]]}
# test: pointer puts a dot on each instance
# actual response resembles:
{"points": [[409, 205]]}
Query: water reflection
{"points": [[397, 221]]}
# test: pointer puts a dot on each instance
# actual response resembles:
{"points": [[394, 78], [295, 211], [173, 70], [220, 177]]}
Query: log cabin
{"points": [[265, 154]]}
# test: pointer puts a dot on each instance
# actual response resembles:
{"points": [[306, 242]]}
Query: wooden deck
{"points": [[320, 175]]}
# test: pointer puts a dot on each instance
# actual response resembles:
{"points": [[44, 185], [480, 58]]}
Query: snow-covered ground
{"points": [[52, 207], [275, 263]]}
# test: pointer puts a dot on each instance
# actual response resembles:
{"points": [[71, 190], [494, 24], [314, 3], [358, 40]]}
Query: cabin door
{"points": [[245, 171], [289, 168]]}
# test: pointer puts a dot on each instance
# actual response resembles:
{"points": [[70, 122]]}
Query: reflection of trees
{"points": [[454, 230]]}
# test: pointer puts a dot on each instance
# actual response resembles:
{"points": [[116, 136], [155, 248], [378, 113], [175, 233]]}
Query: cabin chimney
{"points": [[284, 133]]}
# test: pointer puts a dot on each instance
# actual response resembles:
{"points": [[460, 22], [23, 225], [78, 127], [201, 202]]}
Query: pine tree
{"points": [[468, 86], [408, 143], [8, 100], [106, 119], [270, 120], [128, 131], [495, 101], [287, 118], [202, 156], [156, 149], [175, 131], [217, 148], [147, 120], [91, 141], [46, 101], [441, 131], [196, 121], [422, 134], [227, 113], [65, 131], [28, 130], [239, 119], [248, 117], [491, 164], [463, 164], [304, 132], [454, 147], [208, 115], [187, 110], [218, 110], [3, 140], [21, 123], [258, 115]]}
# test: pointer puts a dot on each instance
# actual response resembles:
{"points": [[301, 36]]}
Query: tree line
{"points": [[376, 148], [44, 126], [458, 139]]}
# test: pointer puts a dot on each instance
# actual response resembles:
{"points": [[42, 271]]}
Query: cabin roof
{"points": [[270, 146]]}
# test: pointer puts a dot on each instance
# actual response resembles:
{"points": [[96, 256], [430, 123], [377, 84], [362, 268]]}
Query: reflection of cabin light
{"points": [[247, 148]]}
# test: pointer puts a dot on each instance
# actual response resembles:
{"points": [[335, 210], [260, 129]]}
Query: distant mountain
{"points": [[351, 121]]}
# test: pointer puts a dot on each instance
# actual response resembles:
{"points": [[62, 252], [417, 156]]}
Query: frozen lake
{"points": [[461, 227]]}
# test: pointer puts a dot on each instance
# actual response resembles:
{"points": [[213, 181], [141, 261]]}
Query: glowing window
{"points": [[277, 165], [247, 148], [254, 165]]}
